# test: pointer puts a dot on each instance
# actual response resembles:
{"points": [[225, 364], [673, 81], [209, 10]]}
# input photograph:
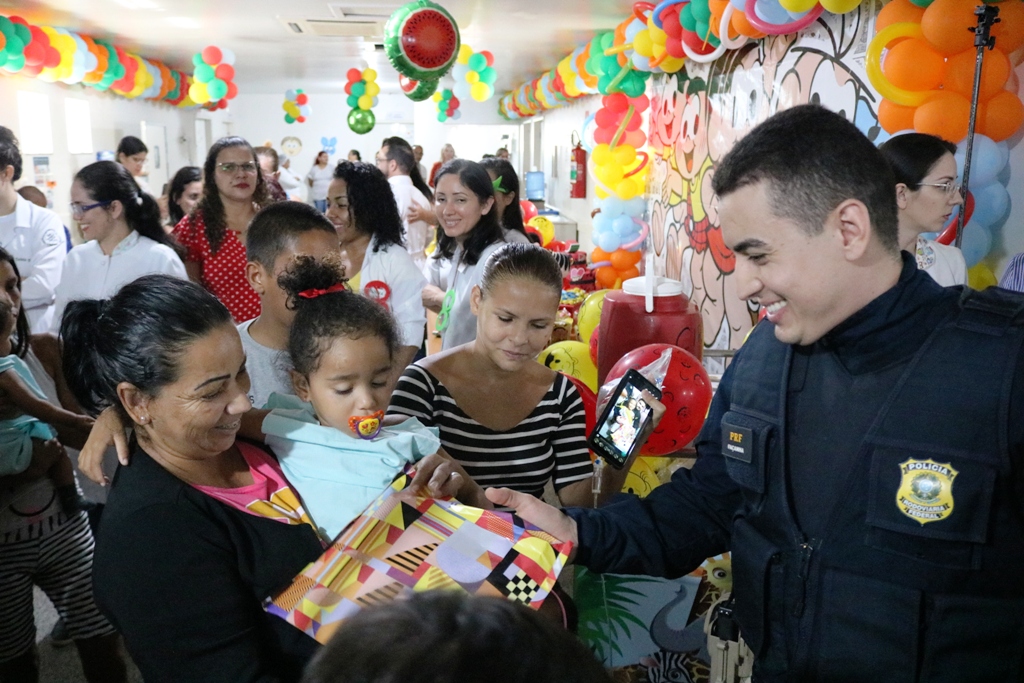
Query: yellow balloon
{"points": [[437, 96], [643, 44], [572, 358], [589, 316], [480, 91], [671, 65], [197, 91], [800, 5], [980, 276], [839, 6], [624, 155], [372, 89], [465, 52], [545, 227], [602, 154], [610, 174], [365, 102], [369, 75], [626, 189], [472, 77]]}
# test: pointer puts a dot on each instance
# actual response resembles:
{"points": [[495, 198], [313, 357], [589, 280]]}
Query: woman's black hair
{"points": [[108, 181], [10, 155], [185, 176], [130, 146], [508, 180], [526, 261], [19, 346], [488, 230], [139, 335], [913, 155], [359, 157], [371, 202], [211, 206], [451, 637], [321, 319]]}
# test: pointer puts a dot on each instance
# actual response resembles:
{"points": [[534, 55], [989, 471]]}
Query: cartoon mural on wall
{"points": [[697, 116]]}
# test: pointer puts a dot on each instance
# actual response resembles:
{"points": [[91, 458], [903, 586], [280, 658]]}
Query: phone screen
{"points": [[618, 431]]}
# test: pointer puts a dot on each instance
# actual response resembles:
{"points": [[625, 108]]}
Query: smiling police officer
{"points": [[862, 459]]}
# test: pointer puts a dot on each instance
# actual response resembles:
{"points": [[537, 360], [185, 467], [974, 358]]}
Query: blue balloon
{"points": [[608, 241], [603, 223], [635, 207], [990, 204], [634, 28], [976, 243], [624, 226], [612, 206], [772, 12], [986, 160]]}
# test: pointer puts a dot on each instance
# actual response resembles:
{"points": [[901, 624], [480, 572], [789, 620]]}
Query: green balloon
{"points": [[15, 63], [361, 121], [477, 62], [687, 20], [922, 3], [701, 11], [7, 28], [204, 73], [352, 101], [442, 117], [288, 118], [23, 32], [217, 88], [488, 75], [14, 46], [359, 89]]}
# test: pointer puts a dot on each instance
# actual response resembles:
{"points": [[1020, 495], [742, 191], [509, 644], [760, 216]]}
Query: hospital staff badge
{"points": [[926, 490]]}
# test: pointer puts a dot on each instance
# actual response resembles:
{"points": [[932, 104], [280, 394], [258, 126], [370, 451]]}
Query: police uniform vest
{"points": [[919, 571]]}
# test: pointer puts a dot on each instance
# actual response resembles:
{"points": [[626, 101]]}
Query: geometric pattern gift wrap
{"points": [[404, 543]]}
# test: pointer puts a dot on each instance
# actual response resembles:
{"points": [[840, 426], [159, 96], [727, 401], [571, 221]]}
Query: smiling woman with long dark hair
{"points": [[214, 233]]}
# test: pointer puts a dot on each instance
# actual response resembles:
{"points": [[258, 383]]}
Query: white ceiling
{"points": [[526, 36]]}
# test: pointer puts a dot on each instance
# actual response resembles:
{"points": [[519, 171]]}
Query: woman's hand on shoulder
{"points": [[108, 429], [426, 214]]}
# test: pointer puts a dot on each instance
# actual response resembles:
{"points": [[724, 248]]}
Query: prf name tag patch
{"points": [[737, 442], [926, 490]]}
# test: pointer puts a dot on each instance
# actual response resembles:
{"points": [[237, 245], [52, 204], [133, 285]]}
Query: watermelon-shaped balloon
{"points": [[421, 40], [417, 91]]}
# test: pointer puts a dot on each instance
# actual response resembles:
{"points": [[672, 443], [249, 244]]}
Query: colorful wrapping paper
{"points": [[404, 543]]}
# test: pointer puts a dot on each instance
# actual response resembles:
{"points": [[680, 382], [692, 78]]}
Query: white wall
{"points": [[111, 118], [556, 142], [260, 119]]}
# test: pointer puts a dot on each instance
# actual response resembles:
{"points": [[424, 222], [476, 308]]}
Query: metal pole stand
{"points": [[988, 15]]}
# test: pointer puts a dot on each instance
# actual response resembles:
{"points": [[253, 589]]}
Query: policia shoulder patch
{"points": [[925, 493]]}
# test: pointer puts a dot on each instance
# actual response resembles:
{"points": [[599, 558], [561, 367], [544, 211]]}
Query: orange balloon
{"points": [[598, 255], [629, 273], [945, 115], [898, 12], [606, 277], [895, 117], [717, 8], [624, 260], [994, 72], [742, 26], [1001, 116], [946, 25], [913, 64], [1009, 32]]}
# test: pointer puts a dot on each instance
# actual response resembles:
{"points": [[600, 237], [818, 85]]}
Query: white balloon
{"points": [[227, 56]]}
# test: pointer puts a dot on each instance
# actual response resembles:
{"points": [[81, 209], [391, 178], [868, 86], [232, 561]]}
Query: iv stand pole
{"points": [[987, 16]]}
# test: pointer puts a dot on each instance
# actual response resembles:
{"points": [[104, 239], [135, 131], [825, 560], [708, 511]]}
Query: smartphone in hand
{"points": [[617, 433]]}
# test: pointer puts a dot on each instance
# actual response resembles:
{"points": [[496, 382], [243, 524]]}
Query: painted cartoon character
{"points": [[291, 145]]}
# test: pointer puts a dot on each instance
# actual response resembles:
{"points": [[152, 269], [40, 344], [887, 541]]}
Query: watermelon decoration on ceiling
{"points": [[421, 40], [417, 91]]}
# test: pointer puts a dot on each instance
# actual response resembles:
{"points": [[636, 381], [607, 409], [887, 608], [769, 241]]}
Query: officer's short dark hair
{"points": [[445, 636], [10, 155], [813, 159], [399, 151]]}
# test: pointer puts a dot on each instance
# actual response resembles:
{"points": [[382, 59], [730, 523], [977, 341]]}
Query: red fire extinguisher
{"points": [[578, 170]]}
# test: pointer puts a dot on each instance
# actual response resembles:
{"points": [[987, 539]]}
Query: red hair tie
{"points": [[314, 293]]}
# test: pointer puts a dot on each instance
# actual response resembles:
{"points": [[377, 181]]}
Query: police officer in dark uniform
{"points": [[863, 459]]}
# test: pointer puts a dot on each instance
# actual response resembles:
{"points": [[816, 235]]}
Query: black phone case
{"points": [[633, 378]]}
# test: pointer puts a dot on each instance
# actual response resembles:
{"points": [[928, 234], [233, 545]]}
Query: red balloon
{"points": [[348, 88], [354, 75], [686, 394], [454, 102], [224, 72], [589, 402], [232, 91], [529, 210], [949, 234], [212, 55], [488, 56], [302, 99]]}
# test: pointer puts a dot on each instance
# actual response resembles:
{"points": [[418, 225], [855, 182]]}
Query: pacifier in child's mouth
{"points": [[367, 426]]}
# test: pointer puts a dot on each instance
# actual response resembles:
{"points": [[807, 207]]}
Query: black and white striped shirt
{"points": [[551, 443]]}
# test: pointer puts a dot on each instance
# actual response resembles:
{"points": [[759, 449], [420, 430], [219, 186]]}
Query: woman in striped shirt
{"points": [[507, 419]]}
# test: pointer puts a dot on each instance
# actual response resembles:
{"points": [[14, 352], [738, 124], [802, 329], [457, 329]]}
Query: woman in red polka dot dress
{"points": [[214, 233]]}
